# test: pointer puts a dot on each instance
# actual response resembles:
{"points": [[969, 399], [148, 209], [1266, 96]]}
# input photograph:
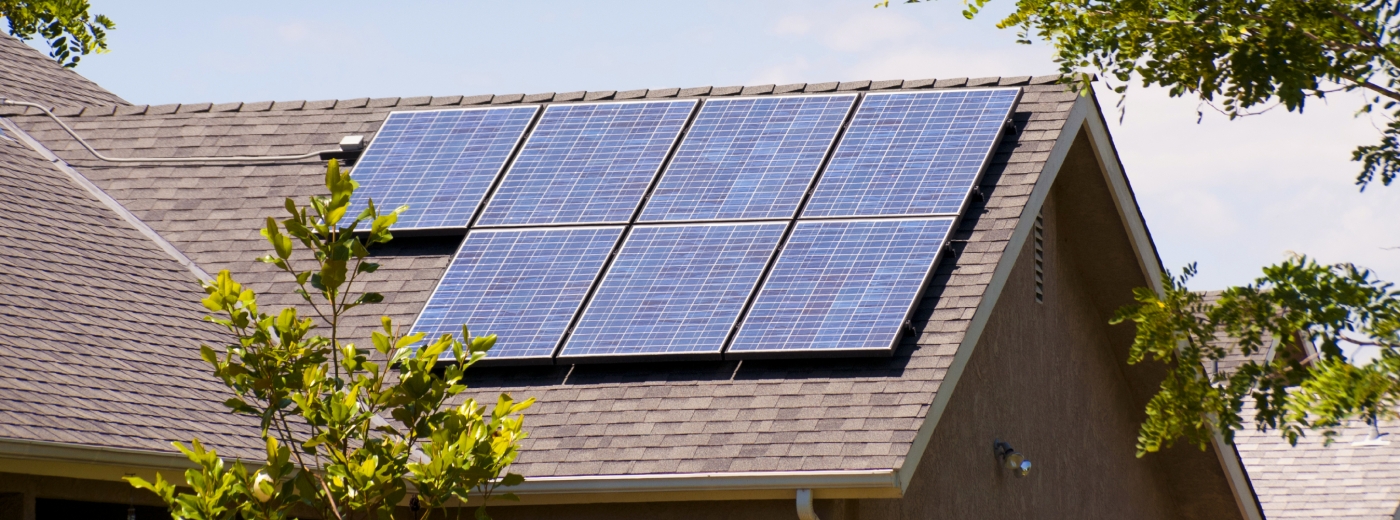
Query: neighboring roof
{"points": [[1315, 481], [628, 419], [102, 325], [28, 75]]}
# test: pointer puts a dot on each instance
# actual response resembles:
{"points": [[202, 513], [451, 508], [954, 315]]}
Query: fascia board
{"points": [[103, 463], [1078, 115]]}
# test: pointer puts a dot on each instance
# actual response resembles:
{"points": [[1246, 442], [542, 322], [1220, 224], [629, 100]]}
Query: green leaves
{"points": [[328, 398], [66, 25], [1239, 57], [1296, 305]]}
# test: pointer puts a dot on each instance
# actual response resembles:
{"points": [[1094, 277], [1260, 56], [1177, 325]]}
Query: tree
{"points": [[66, 25], [1239, 56], [321, 400]]}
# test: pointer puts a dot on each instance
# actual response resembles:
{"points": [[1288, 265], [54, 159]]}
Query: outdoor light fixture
{"points": [[1011, 458]]}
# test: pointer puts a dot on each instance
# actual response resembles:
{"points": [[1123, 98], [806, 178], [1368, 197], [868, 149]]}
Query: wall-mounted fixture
{"points": [[1011, 459]]}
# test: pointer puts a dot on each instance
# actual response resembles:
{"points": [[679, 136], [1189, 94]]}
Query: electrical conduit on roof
{"points": [[238, 158]]}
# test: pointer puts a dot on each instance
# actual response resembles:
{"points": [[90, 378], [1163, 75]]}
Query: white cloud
{"points": [[792, 25]]}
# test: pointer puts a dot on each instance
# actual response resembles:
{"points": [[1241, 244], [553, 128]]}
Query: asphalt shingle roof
{"points": [[28, 75], [1315, 481], [101, 326], [592, 419]]}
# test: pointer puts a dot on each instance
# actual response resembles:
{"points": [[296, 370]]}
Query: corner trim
{"points": [[106, 200]]}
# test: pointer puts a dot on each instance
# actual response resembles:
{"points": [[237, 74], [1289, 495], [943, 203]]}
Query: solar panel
{"points": [[674, 290], [440, 163], [748, 158], [915, 153], [524, 285], [588, 163], [842, 286]]}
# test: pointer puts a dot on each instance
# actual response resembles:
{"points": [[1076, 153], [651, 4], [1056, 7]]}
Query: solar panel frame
{"points": [[778, 229], [489, 220], [985, 161], [545, 358], [647, 216], [378, 144], [812, 353]]}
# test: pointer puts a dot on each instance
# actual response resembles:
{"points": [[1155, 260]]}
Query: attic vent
{"points": [[1039, 259]]}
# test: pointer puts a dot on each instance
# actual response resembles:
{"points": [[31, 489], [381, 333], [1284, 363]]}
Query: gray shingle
{"points": [[544, 97], [695, 91], [790, 87], [823, 87], [631, 94], [507, 99], [854, 85]]}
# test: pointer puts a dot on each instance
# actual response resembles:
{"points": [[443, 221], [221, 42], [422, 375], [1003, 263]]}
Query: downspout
{"points": [[804, 505]]}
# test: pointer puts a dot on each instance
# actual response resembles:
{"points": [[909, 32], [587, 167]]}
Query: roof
{"points": [[31, 76], [632, 419], [1310, 480], [102, 325]]}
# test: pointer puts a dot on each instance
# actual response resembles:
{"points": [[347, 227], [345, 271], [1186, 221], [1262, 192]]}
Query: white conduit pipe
{"points": [[95, 153], [804, 505]]}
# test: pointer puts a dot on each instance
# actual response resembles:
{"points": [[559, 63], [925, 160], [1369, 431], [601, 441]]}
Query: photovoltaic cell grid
{"points": [[674, 289], [842, 285], [748, 158], [440, 163], [588, 163], [522, 285], [911, 153]]}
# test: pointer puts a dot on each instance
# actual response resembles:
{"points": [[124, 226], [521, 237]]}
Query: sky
{"points": [[1231, 195]]}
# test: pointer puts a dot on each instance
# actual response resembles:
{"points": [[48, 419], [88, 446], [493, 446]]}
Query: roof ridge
{"points": [[547, 97]]}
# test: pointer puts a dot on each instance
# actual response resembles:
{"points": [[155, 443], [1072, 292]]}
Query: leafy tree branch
{"points": [[1237, 53], [1296, 304], [65, 25], [321, 401]]}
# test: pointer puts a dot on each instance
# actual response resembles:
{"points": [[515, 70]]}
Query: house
{"points": [[1008, 342]]}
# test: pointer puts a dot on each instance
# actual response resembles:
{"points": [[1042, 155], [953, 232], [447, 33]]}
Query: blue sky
{"points": [[1232, 196]]}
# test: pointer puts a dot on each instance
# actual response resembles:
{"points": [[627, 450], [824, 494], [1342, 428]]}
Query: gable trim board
{"points": [[1084, 116], [107, 200]]}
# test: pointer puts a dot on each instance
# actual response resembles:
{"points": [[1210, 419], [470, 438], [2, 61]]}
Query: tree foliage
{"points": [[66, 25], [1296, 304], [1242, 57], [1239, 56], [322, 401]]}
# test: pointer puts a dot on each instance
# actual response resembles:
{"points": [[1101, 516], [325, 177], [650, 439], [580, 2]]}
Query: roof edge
{"points": [[106, 463], [107, 200], [436, 102]]}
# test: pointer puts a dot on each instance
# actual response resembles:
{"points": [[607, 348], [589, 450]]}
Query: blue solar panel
{"points": [[588, 163], [912, 153], [842, 285], [748, 158], [522, 285], [440, 163], [674, 290]]}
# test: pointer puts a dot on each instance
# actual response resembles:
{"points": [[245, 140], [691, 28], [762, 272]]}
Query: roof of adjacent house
{"points": [[101, 324], [592, 419], [31, 76], [1310, 480]]}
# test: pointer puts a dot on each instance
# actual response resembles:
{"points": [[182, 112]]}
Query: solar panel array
{"points": [[440, 163], [751, 227], [588, 163]]}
